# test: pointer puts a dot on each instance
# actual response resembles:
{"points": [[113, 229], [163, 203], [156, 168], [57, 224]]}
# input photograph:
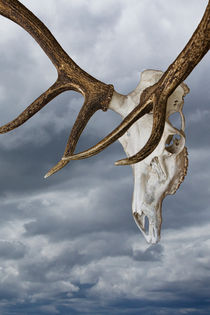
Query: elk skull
{"points": [[160, 173]]}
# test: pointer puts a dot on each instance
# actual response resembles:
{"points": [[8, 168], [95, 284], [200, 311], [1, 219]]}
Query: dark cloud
{"points": [[12, 250]]}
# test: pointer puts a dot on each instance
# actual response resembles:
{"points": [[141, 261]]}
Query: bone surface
{"points": [[164, 169]]}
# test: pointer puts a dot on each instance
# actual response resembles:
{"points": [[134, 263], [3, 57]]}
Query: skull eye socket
{"points": [[172, 144]]}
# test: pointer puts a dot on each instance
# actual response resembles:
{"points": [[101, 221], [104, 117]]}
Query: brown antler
{"points": [[158, 94], [70, 77]]}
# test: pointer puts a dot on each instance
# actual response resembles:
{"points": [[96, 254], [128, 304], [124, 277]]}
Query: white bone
{"points": [[164, 169]]}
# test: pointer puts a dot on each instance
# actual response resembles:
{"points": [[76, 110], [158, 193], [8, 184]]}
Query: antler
{"points": [[70, 77], [158, 94], [98, 94]]}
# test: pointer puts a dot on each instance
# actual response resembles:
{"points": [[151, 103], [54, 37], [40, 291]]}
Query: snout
{"points": [[149, 224]]}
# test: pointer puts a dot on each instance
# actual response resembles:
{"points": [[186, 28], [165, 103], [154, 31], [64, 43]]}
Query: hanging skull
{"points": [[164, 169]]}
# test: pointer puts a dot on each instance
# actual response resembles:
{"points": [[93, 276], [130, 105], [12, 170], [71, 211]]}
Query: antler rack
{"points": [[98, 94]]}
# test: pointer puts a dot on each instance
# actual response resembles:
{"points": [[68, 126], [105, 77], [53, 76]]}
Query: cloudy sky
{"points": [[68, 244]]}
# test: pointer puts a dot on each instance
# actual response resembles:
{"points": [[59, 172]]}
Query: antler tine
{"points": [[159, 114], [86, 112], [177, 72], [70, 76], [32, 109]]}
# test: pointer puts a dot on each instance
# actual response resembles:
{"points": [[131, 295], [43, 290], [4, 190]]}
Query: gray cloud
{"points": [[11, 250]]}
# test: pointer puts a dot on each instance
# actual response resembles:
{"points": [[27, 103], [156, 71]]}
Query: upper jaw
{"points": [[149, 222], [146, 206]]}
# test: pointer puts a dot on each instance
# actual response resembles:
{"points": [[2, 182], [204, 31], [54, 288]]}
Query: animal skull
{"points": [[164, 169]]}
